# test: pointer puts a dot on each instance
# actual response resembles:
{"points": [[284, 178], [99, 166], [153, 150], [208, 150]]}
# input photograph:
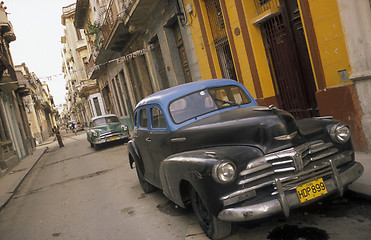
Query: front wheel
{"points": [[146, 186], [212, 226]]}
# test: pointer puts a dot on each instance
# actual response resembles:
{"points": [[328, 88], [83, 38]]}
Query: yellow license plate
{"points": [[113, 138], [311, 190]]}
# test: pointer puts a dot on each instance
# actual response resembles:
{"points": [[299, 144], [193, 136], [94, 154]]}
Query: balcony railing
{"points": [[264, 5], [110, 18]]}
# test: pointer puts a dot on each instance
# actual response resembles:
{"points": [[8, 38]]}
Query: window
{"points": [[104, 121], [97, 107], [143, 118], [219, 33], [205, 101], [78, 33], [135, 119], [191, 106], [157, 118]]}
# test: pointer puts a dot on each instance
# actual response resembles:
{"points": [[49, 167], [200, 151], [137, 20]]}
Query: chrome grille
{"points": [[109, 134], [286, 162], [292, 167]]}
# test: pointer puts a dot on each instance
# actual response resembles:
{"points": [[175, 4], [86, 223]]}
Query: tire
{"points": [[146, 186], [212, 226]]}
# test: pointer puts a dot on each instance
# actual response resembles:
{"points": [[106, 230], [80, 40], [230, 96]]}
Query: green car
{"points": [[106, 128]]}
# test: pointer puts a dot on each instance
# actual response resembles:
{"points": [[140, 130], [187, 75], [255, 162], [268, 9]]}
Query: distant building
{"points": [[75, 54], [38, 104], [16, 140]]}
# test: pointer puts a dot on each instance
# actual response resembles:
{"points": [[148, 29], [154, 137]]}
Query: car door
{"points": [[158, 139], [142, 141]]}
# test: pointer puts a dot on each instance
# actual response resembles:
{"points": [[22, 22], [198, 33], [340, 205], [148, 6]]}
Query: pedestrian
{"points": [[58, 135], [74, 128]]}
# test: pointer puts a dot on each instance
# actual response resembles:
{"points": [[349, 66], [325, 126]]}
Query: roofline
{"points": [[187, 88]]}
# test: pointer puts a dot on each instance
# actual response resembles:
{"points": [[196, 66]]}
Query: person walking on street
{"points": [[74, 128], [58, 135]]}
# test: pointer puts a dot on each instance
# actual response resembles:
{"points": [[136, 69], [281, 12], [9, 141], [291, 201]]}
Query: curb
{"points": [[357, 195], [14, 186]]}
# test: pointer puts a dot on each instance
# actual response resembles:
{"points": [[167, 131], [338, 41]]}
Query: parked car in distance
{"points": [[209, 145], [104, 129], [75, 126], [79, 126]]}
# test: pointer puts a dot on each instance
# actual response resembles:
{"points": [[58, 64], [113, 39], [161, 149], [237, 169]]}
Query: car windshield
{"points": [[104, 121], [205, 101]]}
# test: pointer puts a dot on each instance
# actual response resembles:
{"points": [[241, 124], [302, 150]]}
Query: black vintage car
{"points": [[209, 145]]}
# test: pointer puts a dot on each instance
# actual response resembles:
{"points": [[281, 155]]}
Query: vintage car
{"points": [[104, 129], [209, 145]]}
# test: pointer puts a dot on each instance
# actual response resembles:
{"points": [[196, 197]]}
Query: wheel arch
{"points": [[194, 169], [134, 156]]}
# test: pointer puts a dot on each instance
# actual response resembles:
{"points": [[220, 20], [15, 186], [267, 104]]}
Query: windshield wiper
{"points": [[226, 102]]}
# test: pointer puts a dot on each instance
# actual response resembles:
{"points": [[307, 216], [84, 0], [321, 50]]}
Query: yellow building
{"points": [[291, 53]]}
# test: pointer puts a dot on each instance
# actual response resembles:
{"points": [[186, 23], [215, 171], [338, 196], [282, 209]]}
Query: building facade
{"points": [[15, 135], [38, 104], [307, 57], [138, 47], [291, 53], [76, 53]]}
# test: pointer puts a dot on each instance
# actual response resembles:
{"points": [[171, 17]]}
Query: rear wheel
{"points": [[146, 186], [212, 226]]}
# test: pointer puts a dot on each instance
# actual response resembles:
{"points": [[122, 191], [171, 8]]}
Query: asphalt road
{"points": [[77, 192]]}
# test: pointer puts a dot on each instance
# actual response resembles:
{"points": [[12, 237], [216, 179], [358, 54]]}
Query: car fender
{"points": [[134, 153], [195, 167]]}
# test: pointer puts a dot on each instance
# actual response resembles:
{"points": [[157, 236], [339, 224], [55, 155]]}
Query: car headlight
{"points": [[224, 171], [124, 127], [340, 133], [94, 133]]}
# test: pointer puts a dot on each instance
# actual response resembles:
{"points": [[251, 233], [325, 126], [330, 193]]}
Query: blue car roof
{"points": [[164, 97]]}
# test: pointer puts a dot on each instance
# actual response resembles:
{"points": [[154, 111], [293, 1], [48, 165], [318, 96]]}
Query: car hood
{"points": [[266, 129]]}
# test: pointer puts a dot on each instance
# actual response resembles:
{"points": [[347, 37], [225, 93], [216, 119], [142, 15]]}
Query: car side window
{"points": [[143, 120], [135, 119], [157, 118]]}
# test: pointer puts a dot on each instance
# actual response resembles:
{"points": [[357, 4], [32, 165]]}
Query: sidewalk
{"points": [[12, 179]]}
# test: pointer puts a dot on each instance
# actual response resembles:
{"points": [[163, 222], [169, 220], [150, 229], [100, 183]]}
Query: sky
{"points": [[38, 28]]}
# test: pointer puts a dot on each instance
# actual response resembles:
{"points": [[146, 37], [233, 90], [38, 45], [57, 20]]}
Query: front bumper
{"points": [[110, 138], [289, 200]]}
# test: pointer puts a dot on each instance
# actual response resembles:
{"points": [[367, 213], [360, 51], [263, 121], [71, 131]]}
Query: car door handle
{"points": [[148, 140]]}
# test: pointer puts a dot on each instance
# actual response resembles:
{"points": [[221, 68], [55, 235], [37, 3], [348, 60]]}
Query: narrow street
{"points": [[77, 192]]}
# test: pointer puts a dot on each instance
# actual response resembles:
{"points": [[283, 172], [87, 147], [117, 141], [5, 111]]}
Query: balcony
{"points": [[82, 8], [9, 83], [88, 88], [119, 24], [67, 12], [115, 34]]}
